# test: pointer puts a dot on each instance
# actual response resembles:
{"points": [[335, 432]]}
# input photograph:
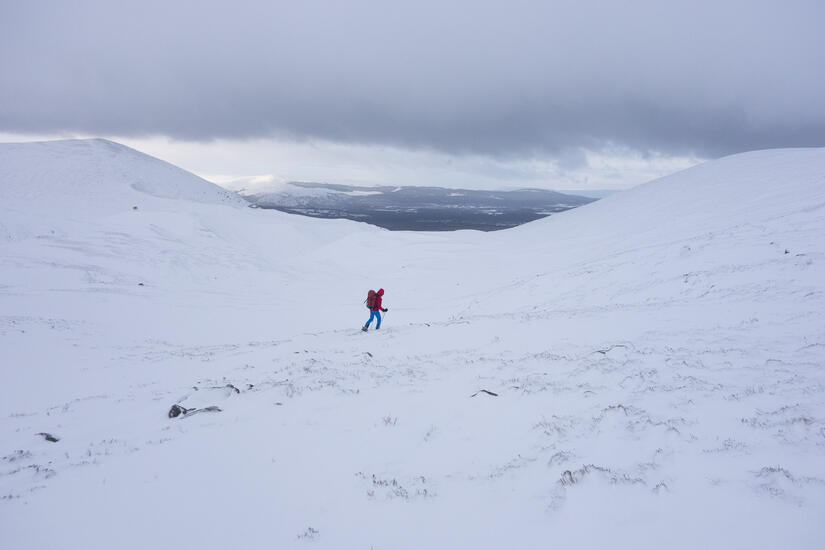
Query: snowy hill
{"points": [[87, 179], [653, 366]]}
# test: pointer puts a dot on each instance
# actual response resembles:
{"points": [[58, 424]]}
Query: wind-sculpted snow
{"points": [[600, 378]]}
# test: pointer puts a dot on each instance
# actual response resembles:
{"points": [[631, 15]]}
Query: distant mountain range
{"points": [[591, 193], [412, 208]]}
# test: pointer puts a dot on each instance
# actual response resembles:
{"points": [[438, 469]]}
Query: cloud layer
{"points": [[510, 79]]}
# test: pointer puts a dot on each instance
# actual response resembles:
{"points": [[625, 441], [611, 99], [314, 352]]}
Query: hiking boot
{"points": [[365, 329]]}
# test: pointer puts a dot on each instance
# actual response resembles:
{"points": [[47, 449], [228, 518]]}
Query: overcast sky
{"points": [[504, 93]]}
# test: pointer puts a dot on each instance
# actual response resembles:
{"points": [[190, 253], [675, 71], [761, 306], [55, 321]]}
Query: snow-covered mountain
{"points": [[641, 372], [45, 185]]}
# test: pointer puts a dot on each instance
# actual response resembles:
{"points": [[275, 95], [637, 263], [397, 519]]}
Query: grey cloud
{"points": [[500, 79]]}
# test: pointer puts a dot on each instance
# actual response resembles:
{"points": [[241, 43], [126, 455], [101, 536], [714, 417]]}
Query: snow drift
{"points": [[652, 366]]}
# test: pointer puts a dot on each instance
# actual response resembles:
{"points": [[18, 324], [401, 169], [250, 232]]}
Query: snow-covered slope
{"points": [[657, 360], [46, 184]]}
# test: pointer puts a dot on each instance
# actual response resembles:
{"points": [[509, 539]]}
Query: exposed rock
{"points": [[183, 412]]}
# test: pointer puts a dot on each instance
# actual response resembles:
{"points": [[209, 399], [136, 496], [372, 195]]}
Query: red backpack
{"points": [[370, 300]]}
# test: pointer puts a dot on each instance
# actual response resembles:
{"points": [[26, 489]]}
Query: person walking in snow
{"points": [[374, 304]]}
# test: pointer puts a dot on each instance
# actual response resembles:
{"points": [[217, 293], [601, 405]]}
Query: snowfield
{"points": [[647, 371]]}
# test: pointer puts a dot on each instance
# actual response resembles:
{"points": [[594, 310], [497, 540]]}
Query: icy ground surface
{"points": [[657, 360]]}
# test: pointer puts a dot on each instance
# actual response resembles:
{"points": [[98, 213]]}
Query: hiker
{"points": [[374, 305]]}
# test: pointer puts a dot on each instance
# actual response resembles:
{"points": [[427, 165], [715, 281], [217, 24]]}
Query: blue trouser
{"points": [[374, 315]]}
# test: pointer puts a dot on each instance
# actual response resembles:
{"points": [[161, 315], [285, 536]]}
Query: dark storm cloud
{"points": [[508, 78]]}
